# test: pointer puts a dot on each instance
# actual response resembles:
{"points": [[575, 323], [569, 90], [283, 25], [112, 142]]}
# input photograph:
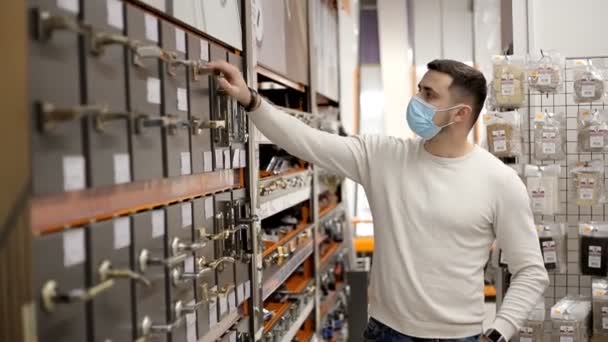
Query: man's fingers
{"points": [[223, 67], [229, 88]]}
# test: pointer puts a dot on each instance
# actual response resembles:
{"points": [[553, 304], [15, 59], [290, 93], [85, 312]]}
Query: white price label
{"points": [[232, 301], [596, 141], [180, 40], [240, 293], [213, 310], [507, 89], [191, 326], [223, 305], [122, 232], [550, 257], [566, 339], [115, 14], [232, 337], [122, 168], [538, 199], [605, 323], [219, 159], [204, 50], [544, 79], [500, 145], [236, 158], [585, 194], [158, 223], [185, 163], [588, 90], [182, 99], [248, 288], [186, 214], [73, 173], [153, 90], [208, 207], [151, 27], [189, 265], [207, 161], [549, 148], [243, 158], [73, 247], [226, 159], [69, 5], [595, 257], [525, 339]]}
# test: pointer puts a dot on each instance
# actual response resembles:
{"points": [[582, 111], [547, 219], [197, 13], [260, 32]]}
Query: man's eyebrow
{"points": [[427, 88]]}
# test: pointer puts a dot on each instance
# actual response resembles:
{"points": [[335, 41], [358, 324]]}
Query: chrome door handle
{"points": [[146, 260], [51, 294], [144, 51], [102, 118], [49, 115], [106, 271], [99, 41], [48, 23], [178, 247], [143, 121]]}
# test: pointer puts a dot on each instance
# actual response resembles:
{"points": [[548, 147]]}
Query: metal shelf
{"points": [[295, 327], [329, 213], [280, 276], [330, 301], [287, 201]]}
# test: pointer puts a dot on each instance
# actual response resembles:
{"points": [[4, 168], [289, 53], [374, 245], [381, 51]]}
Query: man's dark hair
{"points": [[466, 80]]}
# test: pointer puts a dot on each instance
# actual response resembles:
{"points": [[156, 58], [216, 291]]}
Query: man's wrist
{"points": [[253, 102], [493, 335]]}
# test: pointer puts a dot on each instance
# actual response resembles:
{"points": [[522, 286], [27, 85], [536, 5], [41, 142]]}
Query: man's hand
{"points": [[231, 80]]}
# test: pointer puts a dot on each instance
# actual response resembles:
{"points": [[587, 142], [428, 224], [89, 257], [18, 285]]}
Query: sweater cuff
{"points": [[504, 327], [262, 107]]}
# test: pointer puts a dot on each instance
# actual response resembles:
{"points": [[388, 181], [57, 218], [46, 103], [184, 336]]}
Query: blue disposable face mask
{"points": [[420, 117]]}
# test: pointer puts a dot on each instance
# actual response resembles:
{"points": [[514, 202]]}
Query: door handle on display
{"points": [[99, 41], [49, 115], [202, 233], [102, 118], [145, 260], [213, 124], [178, 247], [179, 277], [174, 123], [51, 294], [145, 51], [106, 271], [216, 263], [48, 23], [175, 62], [149, 328], [199, 69], [143, 121]]}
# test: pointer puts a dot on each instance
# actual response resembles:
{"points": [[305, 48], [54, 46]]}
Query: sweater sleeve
{"points": [[517, 237], [346, 156]]}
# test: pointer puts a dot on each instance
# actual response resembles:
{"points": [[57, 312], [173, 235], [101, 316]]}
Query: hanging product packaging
{"points": [[570, 317], [507, 86], [588, 183], [503, 133], [545, 72], [532, 330], [549, 136], [599, 292], [593, 131], [553, 246], [594, 248], [543, 188], [588, 83]]}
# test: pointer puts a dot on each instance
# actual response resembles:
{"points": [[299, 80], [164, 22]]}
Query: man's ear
{"points": [[463, 114]]}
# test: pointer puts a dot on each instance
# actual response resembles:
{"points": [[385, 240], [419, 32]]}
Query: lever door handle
{"points": [[51, 294], [106, 271], [216, 263], [199, 69], [178, 247], [102, 118], [99, 41], [214, 124], [48, 23], [211, 237], [146, 260], [143, 121], [178, 277], [149, 328], [176, 62], [144, 51], [49, 115]]}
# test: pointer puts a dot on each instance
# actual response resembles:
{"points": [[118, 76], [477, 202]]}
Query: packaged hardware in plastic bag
{"points": [[592, 131], [571, 318], [588, 83], [599, 293], [594, 248], [549, 136], [545, 72], [588, 183], [553, 246], [543, 188], [533, 328], [507, 89], [503, 133]]}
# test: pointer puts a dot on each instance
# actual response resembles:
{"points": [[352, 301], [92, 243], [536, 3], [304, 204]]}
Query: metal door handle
{"points": [[199, 69], [49, 115], [178, 247], [51, 294], [102, 118], [210, 237], [213, 124], [49, 23], [106, 271], [145, 260], [216, 263], [175, 62], [99, 40], [175, 123], [143, 51], [149, 328], [143, 121], [178, 277]]}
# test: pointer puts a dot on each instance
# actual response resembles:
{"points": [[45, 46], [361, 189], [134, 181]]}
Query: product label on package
{"points": [[566, 333], [595, 257], [548, 148], [588, 90], [507, 88], [538, 199], [544, 79], [596, 139], [605, 318], [500, 141], [549, 252]]}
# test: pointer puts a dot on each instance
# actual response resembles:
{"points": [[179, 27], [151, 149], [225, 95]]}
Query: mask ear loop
{"points": [[453, 107]]}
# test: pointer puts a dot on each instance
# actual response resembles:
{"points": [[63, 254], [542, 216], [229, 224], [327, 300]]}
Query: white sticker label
{"points": [[588, 90], [232, 337], [595, 257], [213, 309], [566, 339], [122, 233], [115, 14], [219, 159], [180, 40], [186, 214], [538, 199], [596, 141], [236, 158], [122, 168], [241, 293], [204, 50], [191, 325], [223, 305], [507, 89], [185, 163], [158, 223], [605, 323], [500, 145], [525, 339], [248, 288], [585, 194], [226, 159], [69, 5], [243, 158], [208, 207], [544, 79], [189, 265], [73, 247], [151, 28], [182, 99], [232, 301], [153, 88], [207, 161], [73, 173], [549, 148], [549, 253]]}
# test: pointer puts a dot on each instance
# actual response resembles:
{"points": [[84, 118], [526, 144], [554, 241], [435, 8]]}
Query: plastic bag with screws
{"points": [[549, 136], [507, 88], [588, 183], [543, 188], [553, 245], [599, 293], [503, 133], [588, 83], [592, 131], [593, 242], [571, 317], [545, 72]]}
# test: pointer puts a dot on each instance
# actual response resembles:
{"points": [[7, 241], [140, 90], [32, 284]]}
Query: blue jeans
{"points": [[378, 332]]}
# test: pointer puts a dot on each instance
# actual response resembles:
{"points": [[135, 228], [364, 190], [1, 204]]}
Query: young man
{"points": [[438, 203]]}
